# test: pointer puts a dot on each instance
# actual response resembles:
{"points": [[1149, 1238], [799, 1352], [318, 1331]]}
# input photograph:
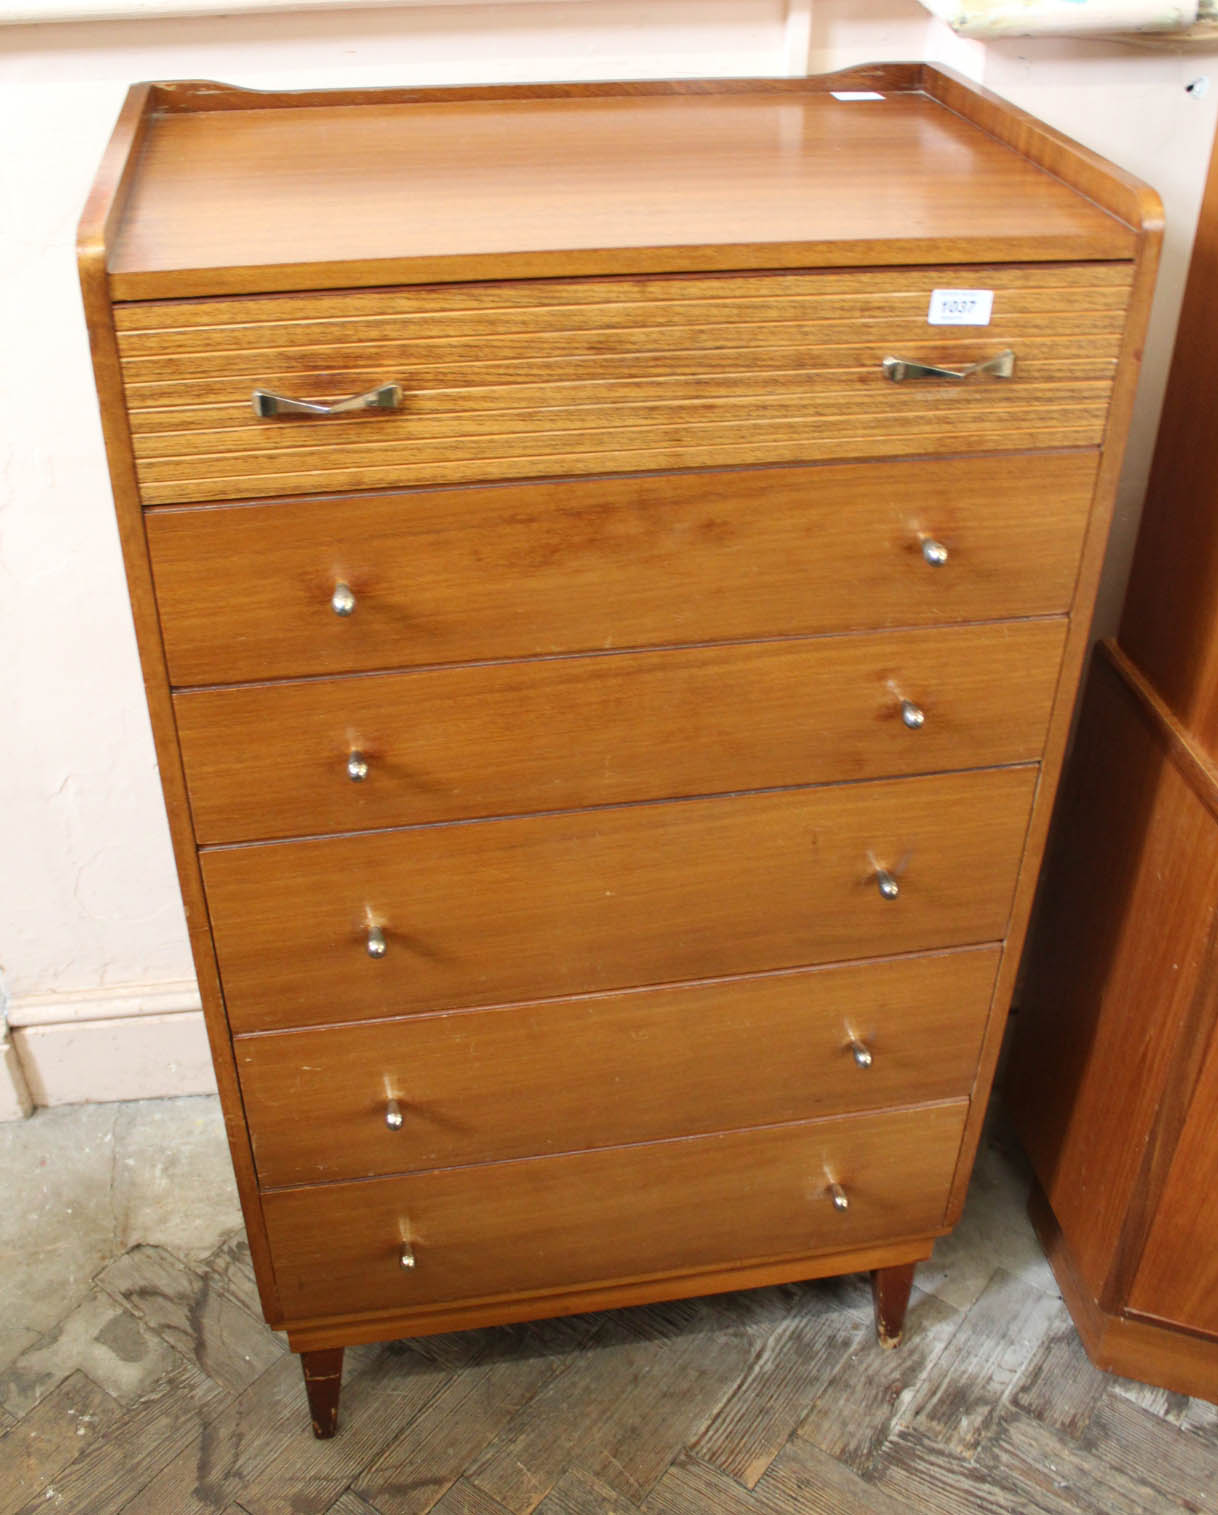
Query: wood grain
{"points": [[1147, 1351], [51, 1436], [597, 184], [550, 1222], [431, 1320], [323, 1376], [601, 1070], [609, 366], [578, 1416], [1173, 637], [795, 371], [655, 1376], [1078, 642], [604, 564], [491, 911], [271, 760], [1091, 1066], [1177, 1278]]}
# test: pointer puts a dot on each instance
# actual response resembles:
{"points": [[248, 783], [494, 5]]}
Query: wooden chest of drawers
{"points": [[611, 566]]}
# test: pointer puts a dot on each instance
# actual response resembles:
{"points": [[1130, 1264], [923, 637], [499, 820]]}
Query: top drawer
{"points": [[558, 377]]}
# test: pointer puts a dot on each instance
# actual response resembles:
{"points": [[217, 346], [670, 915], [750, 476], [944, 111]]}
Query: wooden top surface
{"points": [[231, 199]]}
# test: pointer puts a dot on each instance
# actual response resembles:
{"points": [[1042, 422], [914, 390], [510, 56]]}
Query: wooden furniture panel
{"points": [[608, 376], [654, 912], [1177, 1277], [614, 563], [492, 911], [1114, 1079], [1140, 848], [547, 1223], [204, 216], [475, 1086], [275, 760]]}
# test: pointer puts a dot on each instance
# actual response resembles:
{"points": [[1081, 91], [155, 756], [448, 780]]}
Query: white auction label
{"points": [[960, 307]]}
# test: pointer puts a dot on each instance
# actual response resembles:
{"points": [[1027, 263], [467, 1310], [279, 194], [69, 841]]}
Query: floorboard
{"points": [[159, 1391]]}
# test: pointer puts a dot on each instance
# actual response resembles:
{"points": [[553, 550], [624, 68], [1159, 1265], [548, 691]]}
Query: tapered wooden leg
{"points": [[890, 1290], [323, 1376]]}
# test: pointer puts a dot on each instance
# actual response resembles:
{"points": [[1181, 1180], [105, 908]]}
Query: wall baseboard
{"points": [[15, 1099], [92, 1046]]}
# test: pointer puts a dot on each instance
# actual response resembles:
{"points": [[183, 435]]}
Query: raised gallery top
{"points": [[214, 190]]}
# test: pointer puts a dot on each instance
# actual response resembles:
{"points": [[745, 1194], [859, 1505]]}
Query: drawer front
{"points": [[489, 912], [603, 1070], [277, 760], [508, 571], [550, 1223], [552, 377]]}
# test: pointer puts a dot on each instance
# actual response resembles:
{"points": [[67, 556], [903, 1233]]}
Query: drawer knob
{"points": [[393, 1115], [342, 601], [383, 397], [913, 715], [861, 1053], [841, 1200], [357, 767], [376, 942], [887, 885], [934, 552], [1000, 366], [406, 1256]]}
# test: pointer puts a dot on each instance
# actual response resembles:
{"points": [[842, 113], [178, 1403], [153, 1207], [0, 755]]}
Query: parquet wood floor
{"points": [[162, 1393]]}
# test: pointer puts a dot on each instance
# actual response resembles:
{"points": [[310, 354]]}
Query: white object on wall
{"points": [[1046, 18]]}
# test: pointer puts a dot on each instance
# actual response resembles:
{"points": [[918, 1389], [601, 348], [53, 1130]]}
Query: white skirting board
{"points": [[127, 1042]]}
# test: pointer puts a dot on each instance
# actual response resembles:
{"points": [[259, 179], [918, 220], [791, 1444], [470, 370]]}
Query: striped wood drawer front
{"points": [[600, 1070], [595, 376], [486, 912], [271, 760], [509, 571], [619, 1213]]}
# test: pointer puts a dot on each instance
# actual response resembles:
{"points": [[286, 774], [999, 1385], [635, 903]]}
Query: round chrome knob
{"points": [[357, 767], [406, 1256], [861, 1053], [393, 1115], [342, 601], [887, 885], [913, 715], [934, 552], [841, 1200], [376, 942]]}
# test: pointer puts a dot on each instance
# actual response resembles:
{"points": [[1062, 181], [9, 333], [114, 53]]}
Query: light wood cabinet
{"points": [[610, 632]]}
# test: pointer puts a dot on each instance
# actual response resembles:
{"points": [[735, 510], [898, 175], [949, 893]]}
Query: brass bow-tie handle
{"points": [[1001, 366], [383, 397]]}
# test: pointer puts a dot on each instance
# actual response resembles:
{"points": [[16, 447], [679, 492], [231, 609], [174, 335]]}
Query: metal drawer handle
{"points": [[342, 601], [377, 946], [1001, 366], [393, 1115], [887, 884], [383, 397], [841, 1200], [861, 1053]]}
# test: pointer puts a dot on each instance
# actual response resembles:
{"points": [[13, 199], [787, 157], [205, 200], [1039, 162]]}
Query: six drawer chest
{"points": [[611, 566]]}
